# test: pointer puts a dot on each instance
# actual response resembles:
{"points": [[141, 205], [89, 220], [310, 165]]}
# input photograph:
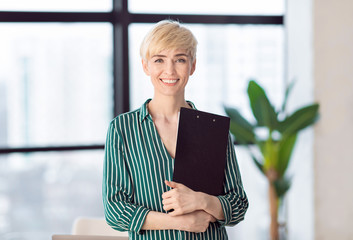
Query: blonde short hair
{"points": [[168, 34]]}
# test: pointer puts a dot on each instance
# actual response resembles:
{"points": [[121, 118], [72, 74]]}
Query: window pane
{"points": [[42, 194], [227, 57], [56, 5], [226, 7], [55, 83]]}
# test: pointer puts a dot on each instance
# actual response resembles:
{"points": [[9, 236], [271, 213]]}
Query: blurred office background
{"points": [[68, 67]]}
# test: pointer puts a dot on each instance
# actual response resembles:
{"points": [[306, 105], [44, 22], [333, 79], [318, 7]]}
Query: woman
{"points": [[138, 191]]}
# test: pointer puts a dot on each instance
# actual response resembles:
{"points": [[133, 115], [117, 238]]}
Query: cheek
{"points": [[186, 71], [155, 71]]}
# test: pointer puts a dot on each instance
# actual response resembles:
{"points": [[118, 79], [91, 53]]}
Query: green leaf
{"points": [[260, 105], [241, 135], [286, 147], [236, 116], [240, 127], [288, 90], [262, 146], [299, 120], [282, 185], [270, 154]]}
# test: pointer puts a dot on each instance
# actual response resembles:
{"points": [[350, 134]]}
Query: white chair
{"points": [[95, 226]]}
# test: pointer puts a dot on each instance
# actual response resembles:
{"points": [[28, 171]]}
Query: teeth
{"points": [[169, 81]]}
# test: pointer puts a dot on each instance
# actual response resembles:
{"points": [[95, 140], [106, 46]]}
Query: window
{"points": [[56, 82], [68, 67], [43, 193]]}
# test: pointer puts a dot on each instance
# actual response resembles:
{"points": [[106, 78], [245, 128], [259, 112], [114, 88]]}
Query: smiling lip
{"points": [[169, 81]]}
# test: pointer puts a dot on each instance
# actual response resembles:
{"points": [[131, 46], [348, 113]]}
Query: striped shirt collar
{"points": [[145, 114]]}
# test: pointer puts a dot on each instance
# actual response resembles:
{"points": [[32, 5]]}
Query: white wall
{"points": [[333, 75]]}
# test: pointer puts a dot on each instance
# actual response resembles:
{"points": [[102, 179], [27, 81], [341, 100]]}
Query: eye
{"points": [[159, 60], [181, 60]]}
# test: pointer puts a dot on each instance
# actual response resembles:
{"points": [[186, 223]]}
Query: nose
{"points": [[170, 68]]}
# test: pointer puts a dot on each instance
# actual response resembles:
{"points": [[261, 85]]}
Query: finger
{"points": [[173, 184], [169, 184], [168, 201], [168, 207], [168, 194]]}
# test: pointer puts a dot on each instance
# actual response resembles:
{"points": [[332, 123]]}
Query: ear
{"points": [[193, 67], [145, 67]]}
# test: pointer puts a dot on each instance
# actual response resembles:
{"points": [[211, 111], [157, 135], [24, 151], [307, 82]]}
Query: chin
{"points": [[170, 93]]}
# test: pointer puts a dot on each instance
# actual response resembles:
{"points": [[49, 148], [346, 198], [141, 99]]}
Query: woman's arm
{"points": [[234, 202], [197, 221], [120, 213]]}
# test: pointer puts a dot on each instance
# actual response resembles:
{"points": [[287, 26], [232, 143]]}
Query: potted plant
{"points": [[277, 146]]}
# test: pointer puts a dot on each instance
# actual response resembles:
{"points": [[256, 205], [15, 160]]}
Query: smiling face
{"points": [[169, 71]]}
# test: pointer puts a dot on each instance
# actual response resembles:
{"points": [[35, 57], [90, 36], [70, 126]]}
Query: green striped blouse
{"points": [[135, 167]]}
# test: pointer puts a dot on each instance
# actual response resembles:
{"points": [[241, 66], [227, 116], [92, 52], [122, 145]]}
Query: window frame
{"points": [[120, 18]]}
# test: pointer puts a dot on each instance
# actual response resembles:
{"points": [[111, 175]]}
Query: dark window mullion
{"points": [[208, 19], [50, 149], [56, 16], [120, 14], [121, 56]]}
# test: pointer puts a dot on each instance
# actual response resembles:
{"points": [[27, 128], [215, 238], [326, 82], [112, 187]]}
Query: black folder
{"points": [[201, 150]]}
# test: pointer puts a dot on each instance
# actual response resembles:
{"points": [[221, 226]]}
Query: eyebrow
{"points": [[176, 55]]}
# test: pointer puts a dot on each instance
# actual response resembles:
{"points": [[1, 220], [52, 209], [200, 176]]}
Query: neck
{"points": [[166, 106]]}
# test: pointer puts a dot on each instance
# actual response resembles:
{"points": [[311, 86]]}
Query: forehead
{"points": [[171, 53]]}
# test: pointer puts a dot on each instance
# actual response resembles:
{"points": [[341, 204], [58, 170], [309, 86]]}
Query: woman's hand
{"points": [[197, 221], [184, 200], [181, 199]]}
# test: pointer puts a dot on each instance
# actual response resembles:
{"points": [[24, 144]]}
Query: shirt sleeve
{"points": [[120, 212], [234, 202]]}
